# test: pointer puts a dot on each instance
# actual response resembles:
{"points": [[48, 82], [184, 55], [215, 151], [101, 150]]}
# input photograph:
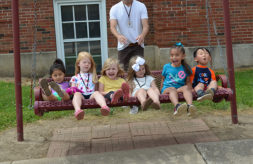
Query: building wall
{"points": [[170, 21]]}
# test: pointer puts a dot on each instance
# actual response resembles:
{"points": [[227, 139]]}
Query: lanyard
{"points": [[86, 85], [139, 83], [128, 13]]}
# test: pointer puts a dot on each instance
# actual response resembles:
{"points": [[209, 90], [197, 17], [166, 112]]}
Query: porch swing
{"points": [[40, 106]]}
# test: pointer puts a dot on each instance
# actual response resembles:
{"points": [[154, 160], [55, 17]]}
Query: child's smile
{"points": [[112, 72], [176, 57]]}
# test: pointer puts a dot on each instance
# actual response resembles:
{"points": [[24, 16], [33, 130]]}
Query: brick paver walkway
{"points": [[106, 138]]}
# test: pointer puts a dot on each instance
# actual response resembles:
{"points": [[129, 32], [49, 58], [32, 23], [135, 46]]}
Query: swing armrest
{"points": [[38, 94], [224, 80]]}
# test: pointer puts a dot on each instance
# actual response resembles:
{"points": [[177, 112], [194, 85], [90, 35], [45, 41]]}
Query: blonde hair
{"points": [[81, 56], [109, 62], [131, 74]]}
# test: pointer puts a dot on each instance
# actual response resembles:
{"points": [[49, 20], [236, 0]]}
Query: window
{"points": [[80, 26]]}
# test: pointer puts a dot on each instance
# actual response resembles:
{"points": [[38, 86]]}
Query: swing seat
{"points": [[41, 106]]}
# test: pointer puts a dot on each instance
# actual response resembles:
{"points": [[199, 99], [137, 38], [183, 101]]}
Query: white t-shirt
{"points": [[83, 81], [138, 12], [144, 82]]}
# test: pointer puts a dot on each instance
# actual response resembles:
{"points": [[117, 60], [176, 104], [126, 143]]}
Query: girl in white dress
{"points": [[142, 84]]}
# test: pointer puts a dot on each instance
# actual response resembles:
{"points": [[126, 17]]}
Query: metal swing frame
{"points": [[17, 66]]}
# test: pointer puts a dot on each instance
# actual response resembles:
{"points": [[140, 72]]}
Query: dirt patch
{"points": [[38, 134]]}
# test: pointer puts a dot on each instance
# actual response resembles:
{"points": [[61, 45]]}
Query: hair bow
{"points": [[179, 44], [139, 61]]}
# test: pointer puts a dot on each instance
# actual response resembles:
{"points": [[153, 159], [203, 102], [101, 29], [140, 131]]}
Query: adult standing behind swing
{"points": [[129, 24]]}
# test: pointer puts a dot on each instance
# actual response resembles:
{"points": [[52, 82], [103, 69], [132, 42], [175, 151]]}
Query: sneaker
{"points": [[180, 109], [116, 96], [125, 90], [191, 110], [134, 110], [44, 86], [105, 110], [146, 104], [57, 88], [210, 91], [79, 114], [206, 96]]}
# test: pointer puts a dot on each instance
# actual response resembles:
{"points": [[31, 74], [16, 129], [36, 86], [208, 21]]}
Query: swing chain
{"points": [[218, 42], [34, 49]]}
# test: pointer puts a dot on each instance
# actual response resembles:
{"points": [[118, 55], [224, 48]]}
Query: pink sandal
{"points": [[116, 96], [79, 114], [125, 90], [105, 110]]}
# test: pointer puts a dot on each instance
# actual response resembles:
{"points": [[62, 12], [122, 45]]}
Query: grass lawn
{"points": [[244, 88]]}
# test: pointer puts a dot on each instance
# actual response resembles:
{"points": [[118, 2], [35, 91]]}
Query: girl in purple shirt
{"points": [[56, 89]]}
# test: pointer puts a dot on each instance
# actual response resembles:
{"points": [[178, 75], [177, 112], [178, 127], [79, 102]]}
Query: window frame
{"points": [[59, 31]]}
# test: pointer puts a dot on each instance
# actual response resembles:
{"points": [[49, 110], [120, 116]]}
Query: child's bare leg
{"points": [[213, 84], [77, 101], [99, 98], [198, 87], [49, 98], [141, 94], [172, 94], [187, 93], [153, 93], [66, 96]]}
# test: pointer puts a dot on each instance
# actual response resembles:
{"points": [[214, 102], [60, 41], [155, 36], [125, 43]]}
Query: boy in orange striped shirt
{"points": [[203, 78]]}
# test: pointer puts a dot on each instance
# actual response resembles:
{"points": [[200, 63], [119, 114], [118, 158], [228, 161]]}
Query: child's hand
{"points": [[73, 90]]}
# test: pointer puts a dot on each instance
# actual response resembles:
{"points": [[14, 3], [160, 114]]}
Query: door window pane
{"points": [[70, 66], [68, 30], [80, 12], [66, 13], [95, 48], [93, 12], [82, 46], [97, 60], [69, 49], [94, 29], [81, 30]]}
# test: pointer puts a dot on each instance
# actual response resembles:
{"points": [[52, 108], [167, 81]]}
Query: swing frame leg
{"points": [[230, 61]]}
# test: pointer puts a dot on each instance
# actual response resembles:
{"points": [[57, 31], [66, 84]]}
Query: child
{"points": [[56, 89], [111, 85], [85, 79], [203, 77], [142, 84], [176, 79]]}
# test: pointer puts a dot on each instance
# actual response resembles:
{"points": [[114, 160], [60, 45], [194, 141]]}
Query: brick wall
{"points": [[170, 22], [45, 25]]}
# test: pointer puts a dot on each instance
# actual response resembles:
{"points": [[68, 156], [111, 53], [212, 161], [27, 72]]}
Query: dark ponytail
{"points": [[58, 64]]}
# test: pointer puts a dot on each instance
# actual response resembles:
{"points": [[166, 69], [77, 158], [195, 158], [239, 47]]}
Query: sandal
{"points": [[146, 104], [156, 105], [44, 86], [57, 88], [116, 96], [125, 90], [79, 114], [105, 110]]}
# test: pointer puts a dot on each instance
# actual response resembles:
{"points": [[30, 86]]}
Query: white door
{"points": [[80, 26]]}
